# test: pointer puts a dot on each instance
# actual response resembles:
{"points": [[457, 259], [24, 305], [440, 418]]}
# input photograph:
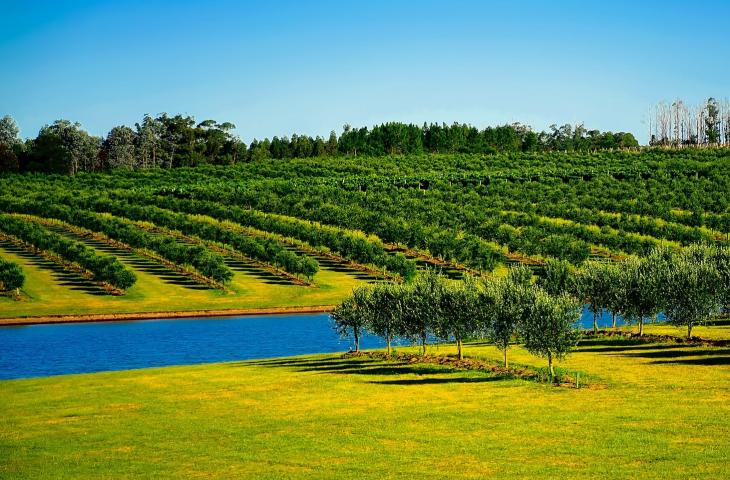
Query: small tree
{"points": [[422, 307], [590, 287], [720, 257], [11, 276], [509, 300], [351, 316], [557, 277], [642, 283], [693, 288], [459, 312], [549, 330], [386, 305], [613, 294]]}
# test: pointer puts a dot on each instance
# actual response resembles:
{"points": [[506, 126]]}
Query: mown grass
{"points": [[44, 294], [652, 411]]}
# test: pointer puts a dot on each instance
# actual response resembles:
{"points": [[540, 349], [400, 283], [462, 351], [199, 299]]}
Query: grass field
{"points": [[45, 293], [652, 411]]}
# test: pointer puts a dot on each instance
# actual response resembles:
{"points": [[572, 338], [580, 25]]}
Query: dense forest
{"points": [[168, 141]]}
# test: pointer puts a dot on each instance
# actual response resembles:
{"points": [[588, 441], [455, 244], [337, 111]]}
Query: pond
{"points": [[42, 350]]}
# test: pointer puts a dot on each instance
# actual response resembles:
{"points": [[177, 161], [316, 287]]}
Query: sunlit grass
{"points": [[656, 411]]}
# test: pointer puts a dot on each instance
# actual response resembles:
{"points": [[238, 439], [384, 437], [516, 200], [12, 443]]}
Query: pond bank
{"points": [[118, 317]]}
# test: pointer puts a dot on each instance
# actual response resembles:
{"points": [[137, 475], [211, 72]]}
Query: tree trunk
{"points": [[550, 365], [641, 326], [613, 319], [423, 343], [595, 322], [388, 340], [506, 363], [357, 341], [459, 349], [689, 331]]}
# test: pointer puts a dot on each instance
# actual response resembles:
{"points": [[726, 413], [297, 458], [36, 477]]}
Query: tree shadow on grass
{"points": [[710, 361], [630, 348], [680, 353], [438, 380], [378, 367], [611, 342]]}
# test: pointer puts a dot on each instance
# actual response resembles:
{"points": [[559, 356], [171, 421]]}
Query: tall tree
{"points": [[118, 148], [8, 131]]}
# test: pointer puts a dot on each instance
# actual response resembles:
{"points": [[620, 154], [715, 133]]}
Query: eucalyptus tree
{"points": [[8, 131], [460, 312], [693, 284], [550, 327], [148, 142], [507, 303], [352, 315], [118, 148]]}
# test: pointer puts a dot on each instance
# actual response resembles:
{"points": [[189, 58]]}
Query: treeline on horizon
{"points": [[168, 141], [682, 124]]}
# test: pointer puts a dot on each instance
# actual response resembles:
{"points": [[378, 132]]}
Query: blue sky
{"points": [[277, 67]]}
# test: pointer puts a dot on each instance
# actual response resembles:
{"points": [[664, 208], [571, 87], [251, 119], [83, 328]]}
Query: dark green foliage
{"points": [[105, 268], [11, 275], [207, 263]]}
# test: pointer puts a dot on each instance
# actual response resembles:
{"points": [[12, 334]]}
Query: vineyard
{"points": [[306, 231]]}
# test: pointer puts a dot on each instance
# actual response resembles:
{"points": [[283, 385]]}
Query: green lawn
{"points": [[44, 294], [654, 411]]}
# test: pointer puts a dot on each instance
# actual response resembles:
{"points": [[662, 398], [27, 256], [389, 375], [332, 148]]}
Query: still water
{"points": [[41, 350]]}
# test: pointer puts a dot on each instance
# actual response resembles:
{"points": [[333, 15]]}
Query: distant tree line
{"points": [[168, 141], [679, 123]]}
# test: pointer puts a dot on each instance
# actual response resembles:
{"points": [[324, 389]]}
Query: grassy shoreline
{"points": [[118, 317], [661, 412]]}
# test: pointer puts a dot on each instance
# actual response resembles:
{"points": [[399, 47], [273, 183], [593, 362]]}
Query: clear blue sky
{"points": [[277, 67]]}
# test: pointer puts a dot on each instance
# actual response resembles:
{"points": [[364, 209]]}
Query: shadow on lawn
{"points": [[628, 347], [377, 367], [439, 380], [697, 361], [695, 352]]}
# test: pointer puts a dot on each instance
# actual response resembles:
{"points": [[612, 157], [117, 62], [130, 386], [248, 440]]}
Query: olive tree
{"points": [[720, 257], [692, 288], [642, 285], [510, 300], [550, 328], [590, 287], [386, 306], [11, 276], [422, 307], [557, 277], [351, 316], [459, 312]]}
